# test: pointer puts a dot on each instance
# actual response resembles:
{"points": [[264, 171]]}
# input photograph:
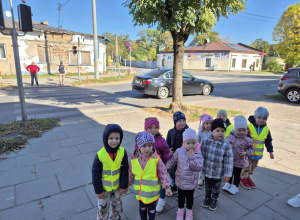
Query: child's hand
{"points": [[271, 155], [243, 153], [100, 196], [191, 153], [169, 192], [124, 191], [171, 151], [226, 179]]}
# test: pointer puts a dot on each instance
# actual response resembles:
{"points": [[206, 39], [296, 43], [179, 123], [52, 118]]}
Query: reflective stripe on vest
{"points": [[228, 130], [146, 183], [258, 140], [111, 169]]}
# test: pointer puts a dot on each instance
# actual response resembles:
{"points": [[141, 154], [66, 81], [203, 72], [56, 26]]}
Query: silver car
{"points": [[289, 85]]}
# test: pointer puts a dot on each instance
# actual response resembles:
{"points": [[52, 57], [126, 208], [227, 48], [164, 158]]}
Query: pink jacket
{"points": [[188, 168], [161, 168]]}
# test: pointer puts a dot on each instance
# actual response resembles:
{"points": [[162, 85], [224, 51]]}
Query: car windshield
{"points": [[155, 73]]}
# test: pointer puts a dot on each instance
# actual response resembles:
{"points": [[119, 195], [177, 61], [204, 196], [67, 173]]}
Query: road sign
{"points": [[262, 54], [169, 57], [127, 44], [130, 48], [192, 54]]}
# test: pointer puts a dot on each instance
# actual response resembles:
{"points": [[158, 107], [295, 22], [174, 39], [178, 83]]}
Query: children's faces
{"points": [[146, 149], [180, 124], [207, 125], [223, 117], [218, 134], [153, 129], [114, 139], [190, 144], [260, 120], [242, 132]]}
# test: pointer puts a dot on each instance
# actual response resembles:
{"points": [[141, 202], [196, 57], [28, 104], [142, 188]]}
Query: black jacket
{"points": [[175, 138], [268, 141], [98, 166]]}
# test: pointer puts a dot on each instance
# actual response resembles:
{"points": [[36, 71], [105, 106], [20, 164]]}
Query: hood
{"points": [[251, 119], [107, 131]]}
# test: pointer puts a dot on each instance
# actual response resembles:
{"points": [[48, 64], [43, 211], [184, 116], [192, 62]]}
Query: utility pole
{"points": [[59, 9], [95, 40]]}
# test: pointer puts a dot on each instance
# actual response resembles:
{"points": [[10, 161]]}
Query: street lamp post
{"points": [[95, 40]]}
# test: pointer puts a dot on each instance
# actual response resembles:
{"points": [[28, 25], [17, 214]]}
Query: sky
{"points": [[113, 17]]}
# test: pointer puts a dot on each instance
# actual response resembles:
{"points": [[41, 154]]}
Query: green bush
{"points": [[273, 66]]}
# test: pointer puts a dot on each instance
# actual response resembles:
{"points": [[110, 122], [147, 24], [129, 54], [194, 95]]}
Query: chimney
{"points": [[44, 23]]}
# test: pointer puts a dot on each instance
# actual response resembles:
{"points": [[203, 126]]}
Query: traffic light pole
{"points": [[78, 62]]}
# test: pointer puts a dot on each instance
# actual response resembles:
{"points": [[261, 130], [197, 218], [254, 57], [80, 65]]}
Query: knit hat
{"points": [[204, 118], [150, 122], [261, 111], [189, 134], [143, 138], [240, 122], [222, 112], [177, 116], [218, 123]]}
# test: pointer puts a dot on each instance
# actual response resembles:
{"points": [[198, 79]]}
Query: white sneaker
{"points": [[160, 205], [295, 202], [233, 189], [200, 180], [226, 186]]}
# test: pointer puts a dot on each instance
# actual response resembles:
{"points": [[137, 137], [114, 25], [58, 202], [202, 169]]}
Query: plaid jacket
{"points": [[218, 158]]}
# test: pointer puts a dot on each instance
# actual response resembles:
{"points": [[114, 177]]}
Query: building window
{"points": [[73, 58], [257, 62], [42, 55], [2, 51], [244, 63], [86, 58], [233, 62], [208, 62]]}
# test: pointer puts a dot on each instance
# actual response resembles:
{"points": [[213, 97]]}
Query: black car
{"points": [[289, 85], [159, 82]]}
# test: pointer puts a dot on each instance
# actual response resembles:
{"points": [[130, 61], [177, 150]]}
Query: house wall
{"points": [[7, 65], [251, 58]]}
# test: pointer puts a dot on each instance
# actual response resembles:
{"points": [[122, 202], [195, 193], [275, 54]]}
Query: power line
{"points": [[254, 18], [259, 15], [65, 3]]}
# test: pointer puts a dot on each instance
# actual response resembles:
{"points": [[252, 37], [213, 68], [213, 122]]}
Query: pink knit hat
{"points": [[148, 123], [189, 134], [204, 118]]}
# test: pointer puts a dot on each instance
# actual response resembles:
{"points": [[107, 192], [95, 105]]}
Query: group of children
{"points": [[219, 151]]}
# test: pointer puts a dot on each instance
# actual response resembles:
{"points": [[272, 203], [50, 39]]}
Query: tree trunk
{"points": [[178, 47]]}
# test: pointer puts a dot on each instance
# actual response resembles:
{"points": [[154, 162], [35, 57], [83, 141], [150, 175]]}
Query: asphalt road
{"points": [[44, 102]]}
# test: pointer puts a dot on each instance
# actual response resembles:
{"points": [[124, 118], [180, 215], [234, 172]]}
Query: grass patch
{"points": [[52, 75], [14, 135], [269, 71], [106, 79], [277, 97], [191, 112], [8, 86]]}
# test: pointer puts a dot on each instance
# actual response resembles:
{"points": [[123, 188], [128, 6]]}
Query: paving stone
{"points": [[32, 159], [293, 190], [7, 198], [265, 212], [292, 147], [82, 125], [17, 176], [291, 162], [54, 136], [53, 167], [60, 153], [76, 133], [83, 160], [90, 147], [72, 141], [35, 140], [27, 211], [130, 207], [75, 178], [89, 214], [66, 204], [92, 137], [36, 189], [8, 164], [24, 151], [279, 204], [89, 189], [62, 128], [44, 146]]}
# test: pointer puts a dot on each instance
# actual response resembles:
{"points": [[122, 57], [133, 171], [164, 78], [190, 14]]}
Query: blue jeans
{"points": [[162, 193], [34, 76]]}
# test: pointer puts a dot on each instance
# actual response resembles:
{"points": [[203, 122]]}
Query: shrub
{"points": [[273, 66]]}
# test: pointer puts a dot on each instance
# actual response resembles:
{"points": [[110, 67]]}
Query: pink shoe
{"points": [[180, 214], [189, 214]]}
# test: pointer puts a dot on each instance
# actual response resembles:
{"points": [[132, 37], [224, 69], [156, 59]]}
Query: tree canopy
{"points": [[264, 46], [198, 39]]}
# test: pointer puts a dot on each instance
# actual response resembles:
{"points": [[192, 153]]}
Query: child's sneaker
{"points": [[213, 204], [295, 202], [206, 202], [189, 214], [226, 187], [180, 214], [200, 180], [160, 205], [245, 183], [253, 186], [233, 189]]}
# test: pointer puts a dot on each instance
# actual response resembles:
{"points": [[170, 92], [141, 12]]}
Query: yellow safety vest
{"points": [[258, 140], [228, 130], [146, 183], [111, 169]]}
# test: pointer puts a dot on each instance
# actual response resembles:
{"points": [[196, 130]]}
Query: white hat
{"points": [[240, 122]]}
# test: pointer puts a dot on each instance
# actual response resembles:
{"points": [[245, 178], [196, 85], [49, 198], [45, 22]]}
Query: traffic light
{"points": [[25, 20], [74, 50]]}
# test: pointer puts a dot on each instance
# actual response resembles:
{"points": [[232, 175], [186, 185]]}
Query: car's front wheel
{"points": [[163, 92], [206, 89], [293, 95]]}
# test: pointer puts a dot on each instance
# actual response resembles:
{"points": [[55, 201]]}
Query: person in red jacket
{"points": [[33, 69]]}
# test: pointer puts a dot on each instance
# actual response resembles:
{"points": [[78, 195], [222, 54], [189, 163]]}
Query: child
{"points": [[261, 136], [218, 162], [242, 147], [204, 132], [162, 149], [174, 140], [148, 173], [223, 114], [110, 173], [188, 160]]}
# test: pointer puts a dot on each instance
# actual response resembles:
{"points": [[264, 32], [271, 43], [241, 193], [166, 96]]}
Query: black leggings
{"points": [[147, 208], [236, 176], [187, 195]]}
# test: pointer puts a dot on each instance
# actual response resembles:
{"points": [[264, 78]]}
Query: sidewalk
{"points": [[51, 177]]}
